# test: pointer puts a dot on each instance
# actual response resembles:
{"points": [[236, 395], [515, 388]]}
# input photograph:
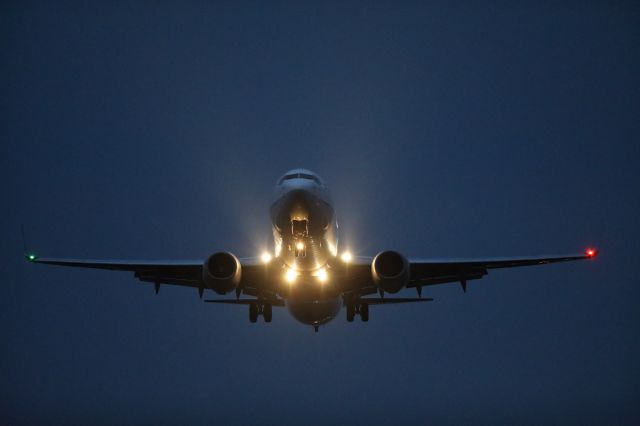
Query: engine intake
{"points": [[390, 271], [221, 272]]}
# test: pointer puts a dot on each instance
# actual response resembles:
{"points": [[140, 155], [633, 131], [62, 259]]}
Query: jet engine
{"points": [[221, 272], [390, 271]]}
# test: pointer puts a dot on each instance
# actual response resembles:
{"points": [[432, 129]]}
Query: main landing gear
{"points": [[361, 309], [256, 309]]}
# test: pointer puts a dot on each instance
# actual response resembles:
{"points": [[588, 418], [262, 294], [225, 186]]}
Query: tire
{"points": [[267, 313], [351, 312], [253, 312], [364, 312]]}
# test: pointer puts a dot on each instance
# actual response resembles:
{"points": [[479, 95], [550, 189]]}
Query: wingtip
{"points": [[591, 252], [31, 257]]}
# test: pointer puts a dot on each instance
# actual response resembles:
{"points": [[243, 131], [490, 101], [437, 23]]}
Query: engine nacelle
{"points": [[390, 271], [221, 272]]}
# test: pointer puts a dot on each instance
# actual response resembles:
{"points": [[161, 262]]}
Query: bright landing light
{"points": [[266, 257], [346, 257], [300, 245], [291, 275], [322, 275]]}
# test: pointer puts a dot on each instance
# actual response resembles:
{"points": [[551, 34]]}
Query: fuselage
{"points": [[305, 232]]}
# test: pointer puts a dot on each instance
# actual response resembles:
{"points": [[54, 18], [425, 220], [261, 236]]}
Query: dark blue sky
{"points": [[157, 130]]}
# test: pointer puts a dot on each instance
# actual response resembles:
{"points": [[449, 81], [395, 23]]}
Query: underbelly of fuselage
{"points": [[314, 312]]}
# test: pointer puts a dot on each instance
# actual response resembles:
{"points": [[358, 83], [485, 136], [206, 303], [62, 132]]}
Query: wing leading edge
{"points": [[177, 272], [442, 271]]}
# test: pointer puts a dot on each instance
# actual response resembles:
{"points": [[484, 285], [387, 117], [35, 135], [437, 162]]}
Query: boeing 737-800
{"points": [[305, 272]]}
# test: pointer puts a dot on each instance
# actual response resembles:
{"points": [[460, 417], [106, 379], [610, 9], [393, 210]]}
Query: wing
{"points": [[442, 271], [425, 272], [186, 273]]}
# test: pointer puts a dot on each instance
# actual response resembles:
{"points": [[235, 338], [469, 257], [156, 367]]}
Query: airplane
{"points": [[305, 272]]}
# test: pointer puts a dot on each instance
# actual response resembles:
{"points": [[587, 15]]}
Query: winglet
{"points": [[31, 257]]}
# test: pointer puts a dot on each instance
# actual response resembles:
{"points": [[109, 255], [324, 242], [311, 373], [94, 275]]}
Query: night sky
{"points": [[157, 130]]}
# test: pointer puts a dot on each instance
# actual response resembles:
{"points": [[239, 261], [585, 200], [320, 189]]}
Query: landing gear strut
{"points": [[364, 312], [267, 313], [253, 312], [351, 312], [256, 309], [361, 309]]}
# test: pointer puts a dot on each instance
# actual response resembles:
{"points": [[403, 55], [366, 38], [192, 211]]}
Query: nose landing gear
{"points": [[256, 309], [361, 309], [300, 232]]}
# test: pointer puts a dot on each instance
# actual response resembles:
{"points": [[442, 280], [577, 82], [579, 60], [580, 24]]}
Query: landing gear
{"points": [[364, 312], [361, 309], [253, 312], [256, 309], [267, 313], [351, 312]]}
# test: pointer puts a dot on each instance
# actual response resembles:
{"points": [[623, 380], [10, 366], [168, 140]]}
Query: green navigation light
{"points": [[32, 257]]}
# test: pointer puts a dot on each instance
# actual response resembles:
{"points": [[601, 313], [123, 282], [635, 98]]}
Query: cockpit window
{"points": [[312, 177], [300, 176]]}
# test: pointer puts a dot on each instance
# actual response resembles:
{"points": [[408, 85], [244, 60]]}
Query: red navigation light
{"points": [[591, 252]]}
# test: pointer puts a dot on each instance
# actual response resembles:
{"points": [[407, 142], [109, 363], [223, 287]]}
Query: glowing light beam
{"points": [[322, 275], [290, 276]]}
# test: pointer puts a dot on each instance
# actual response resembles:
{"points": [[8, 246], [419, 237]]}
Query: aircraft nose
{"points": [[299, 184], [299, 202], [301, 205]]}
